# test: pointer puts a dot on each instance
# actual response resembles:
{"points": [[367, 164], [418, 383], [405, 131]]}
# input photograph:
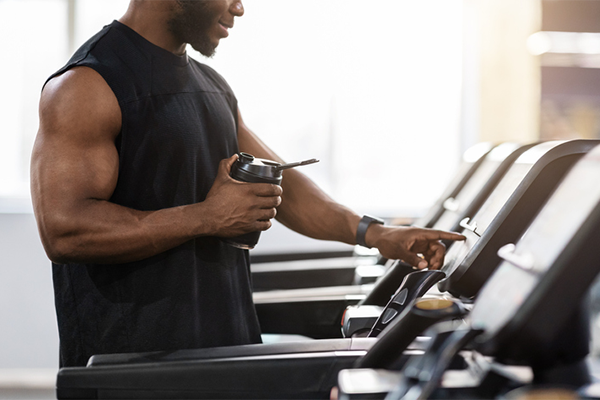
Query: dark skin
{"points": [[75, 166]]}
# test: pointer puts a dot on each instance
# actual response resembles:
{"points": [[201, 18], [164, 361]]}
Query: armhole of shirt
{"points": [[76, 61]]}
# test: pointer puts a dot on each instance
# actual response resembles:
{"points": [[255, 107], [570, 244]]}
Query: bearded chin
{"points": [[191, 23], [201, 44], [204, 47]]}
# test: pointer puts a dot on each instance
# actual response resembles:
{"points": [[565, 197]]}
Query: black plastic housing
{"points": [[466, 276], [544, 278]]}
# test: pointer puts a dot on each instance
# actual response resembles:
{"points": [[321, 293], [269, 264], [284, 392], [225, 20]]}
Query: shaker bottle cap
{"points": [[246, 158]]}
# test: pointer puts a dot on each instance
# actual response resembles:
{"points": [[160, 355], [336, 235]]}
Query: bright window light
{"points": [[34, 42], [372, 89]]}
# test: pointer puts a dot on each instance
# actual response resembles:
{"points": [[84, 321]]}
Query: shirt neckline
{"points": [[180, 60]]}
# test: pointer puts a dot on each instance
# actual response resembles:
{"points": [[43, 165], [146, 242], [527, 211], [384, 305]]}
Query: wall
{"points": [[507, 77], [29, 336]]}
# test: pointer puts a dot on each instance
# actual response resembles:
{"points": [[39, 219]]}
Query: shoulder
{"points": [[77, 84], [83, 52], [116, 58], [77, 98]]}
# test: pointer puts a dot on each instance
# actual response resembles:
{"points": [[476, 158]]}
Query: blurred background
{"points": [[388, 94]]}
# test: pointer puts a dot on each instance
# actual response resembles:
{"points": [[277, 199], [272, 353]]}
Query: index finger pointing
{"points": [[443, 235]]}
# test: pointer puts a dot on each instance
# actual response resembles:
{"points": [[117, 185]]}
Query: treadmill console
{"points": [[470, 191], [507, 213], [475, 227], [543, 279]]}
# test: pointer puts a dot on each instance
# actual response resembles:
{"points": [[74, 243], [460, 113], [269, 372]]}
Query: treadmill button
{"points": [[388, 315], [400, 298]]}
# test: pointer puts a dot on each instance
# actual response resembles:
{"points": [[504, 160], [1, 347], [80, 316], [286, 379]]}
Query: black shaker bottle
{"points": [[248, 168]]}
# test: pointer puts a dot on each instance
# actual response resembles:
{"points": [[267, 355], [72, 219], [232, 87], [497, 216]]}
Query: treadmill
{"points": [[327, 357], [541, 283], [470, 263], [294, 271], [317, 312], [528, 328], [503, 217], [506, 212]]}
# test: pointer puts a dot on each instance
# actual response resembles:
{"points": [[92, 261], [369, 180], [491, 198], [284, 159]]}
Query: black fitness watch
{"points": [[363, 225]]}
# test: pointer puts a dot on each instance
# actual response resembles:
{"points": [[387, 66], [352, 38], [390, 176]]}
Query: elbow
{"points": [[58, 249], [58, 257], [62, 228], [58, 240]]}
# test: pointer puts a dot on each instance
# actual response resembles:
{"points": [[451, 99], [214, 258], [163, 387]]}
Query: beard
{"points": [[190, 23]]}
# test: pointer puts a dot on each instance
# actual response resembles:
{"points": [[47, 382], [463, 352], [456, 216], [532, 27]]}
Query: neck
{"points": [[150, 19]]}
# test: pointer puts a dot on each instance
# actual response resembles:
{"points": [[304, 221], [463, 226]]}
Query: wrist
{"points": [[369, 228], [201, 217]]}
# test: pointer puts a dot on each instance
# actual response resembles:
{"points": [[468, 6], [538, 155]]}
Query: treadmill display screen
{"points": [[486, 214], [545, 239]]}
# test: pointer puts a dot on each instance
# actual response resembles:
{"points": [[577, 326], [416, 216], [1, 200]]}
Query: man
{"points": [[131, 191]]}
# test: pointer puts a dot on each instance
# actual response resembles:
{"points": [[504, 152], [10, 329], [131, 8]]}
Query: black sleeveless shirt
{"points": [[179, 119]]}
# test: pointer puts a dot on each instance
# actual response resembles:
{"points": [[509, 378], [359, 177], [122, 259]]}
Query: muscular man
{"points": [[132, 194]]}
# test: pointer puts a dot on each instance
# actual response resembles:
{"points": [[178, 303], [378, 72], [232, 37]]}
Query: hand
{"points": [[410, 243], [239, 207]]}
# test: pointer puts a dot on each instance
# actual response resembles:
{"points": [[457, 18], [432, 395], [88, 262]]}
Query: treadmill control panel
{"points": [[525, 265], [475, 227]]}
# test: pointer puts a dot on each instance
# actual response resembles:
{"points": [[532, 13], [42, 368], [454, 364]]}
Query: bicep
{"points": [[74, 157]]}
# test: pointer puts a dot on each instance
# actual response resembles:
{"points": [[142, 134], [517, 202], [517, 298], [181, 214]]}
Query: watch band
{"points": [[363, 225]]}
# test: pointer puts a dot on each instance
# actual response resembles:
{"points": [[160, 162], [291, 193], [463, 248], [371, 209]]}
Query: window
{"points": [[372, 89], [34, 43]]}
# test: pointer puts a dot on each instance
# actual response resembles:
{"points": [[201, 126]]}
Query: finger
{"points": [[226, 164], [267, 214], [416, 261], [266, 202], [270, 202], [435, 248], [436, 256], [423, 245], [262, 225], [443, 235], [266, 190]]}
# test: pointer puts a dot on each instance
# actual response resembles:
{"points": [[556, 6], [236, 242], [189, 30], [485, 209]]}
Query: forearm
{"points": [[306, 209], [81, 228], [97, 231]]}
